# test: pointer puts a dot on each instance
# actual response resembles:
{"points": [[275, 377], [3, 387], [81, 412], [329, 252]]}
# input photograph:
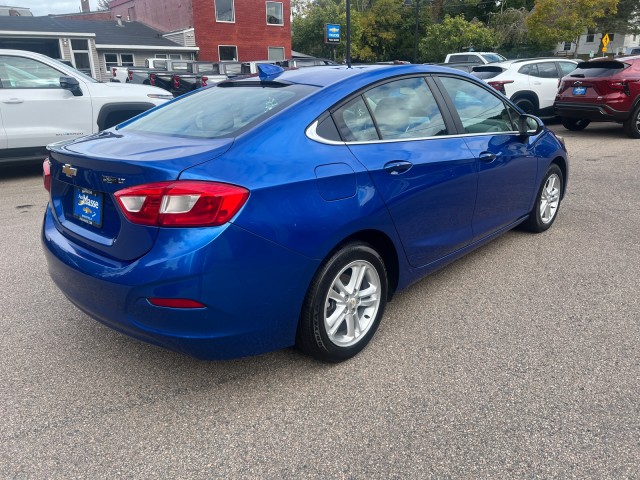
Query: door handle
{"points": [[397, 167], [487, 157], [13, 101]]}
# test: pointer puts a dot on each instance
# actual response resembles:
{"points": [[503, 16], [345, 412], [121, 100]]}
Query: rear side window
{"points": [[460, 58], [545, 70], [598, 69], [221, 111], [355, 122], [405, 109], [493, 57]]}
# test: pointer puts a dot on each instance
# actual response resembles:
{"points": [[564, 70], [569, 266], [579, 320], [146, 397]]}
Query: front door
{"points": [[36, 111]]}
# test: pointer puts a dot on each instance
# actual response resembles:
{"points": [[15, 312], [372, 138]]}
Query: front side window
{"points": [[275, 15], [27, 73], [405, 109], [480, 111], [228, 53], [225, 11], [219, 111]]}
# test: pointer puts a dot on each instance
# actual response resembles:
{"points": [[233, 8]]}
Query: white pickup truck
{"points": [[43, 101], [121, 74]]}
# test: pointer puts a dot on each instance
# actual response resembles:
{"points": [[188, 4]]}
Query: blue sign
{"points": [[331, 33]]}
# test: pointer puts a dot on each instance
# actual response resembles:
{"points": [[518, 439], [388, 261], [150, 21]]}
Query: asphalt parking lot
{"points": [[520, 360]]}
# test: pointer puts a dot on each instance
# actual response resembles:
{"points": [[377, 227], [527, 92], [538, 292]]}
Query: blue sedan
{"points": [[287, 208]]}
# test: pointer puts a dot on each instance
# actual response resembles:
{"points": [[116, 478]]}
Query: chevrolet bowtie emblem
{"points": [[69, 171]]}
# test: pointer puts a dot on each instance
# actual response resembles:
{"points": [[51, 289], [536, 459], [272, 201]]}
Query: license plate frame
{"points": [[579, 90], [88, 206]]}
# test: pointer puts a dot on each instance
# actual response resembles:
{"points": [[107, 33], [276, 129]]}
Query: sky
{"points": [[45, 7]]}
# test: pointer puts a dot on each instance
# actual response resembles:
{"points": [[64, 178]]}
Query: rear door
{"points": [[543, 79], [507, 165], [399, 131], [35, 109]]}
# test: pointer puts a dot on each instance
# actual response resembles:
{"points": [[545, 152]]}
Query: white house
{"points": [[591, 42]]}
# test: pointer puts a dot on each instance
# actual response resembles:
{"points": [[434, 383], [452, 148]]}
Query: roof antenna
{"points": [[349, 33]]}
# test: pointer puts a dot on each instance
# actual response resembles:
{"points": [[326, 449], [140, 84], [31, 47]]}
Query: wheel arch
{"points": [[382, 244], [120, 108], [529, 95], [562, 164]]}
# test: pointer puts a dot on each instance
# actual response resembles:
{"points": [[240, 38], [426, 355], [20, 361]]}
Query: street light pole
{"points": [[415, 40]]}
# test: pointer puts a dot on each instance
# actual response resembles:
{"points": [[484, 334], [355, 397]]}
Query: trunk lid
{"points": [[87, 172]]}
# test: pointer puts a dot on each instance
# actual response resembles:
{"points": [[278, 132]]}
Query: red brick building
{"points": [[240, 30]]}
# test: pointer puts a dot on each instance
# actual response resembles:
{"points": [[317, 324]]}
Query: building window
{"points": [[161, 55], [117, 60], [80, 48], [567, 46], [274, 13], [228, 53], [225, 11], [590, 38], [276, 53], [612, 37]]}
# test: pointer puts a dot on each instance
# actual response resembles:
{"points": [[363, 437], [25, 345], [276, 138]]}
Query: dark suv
{"points": [[601, 91]]}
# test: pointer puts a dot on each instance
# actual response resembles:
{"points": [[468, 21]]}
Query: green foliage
{"points": [[455, 34], [625, 20], [553, 21]]}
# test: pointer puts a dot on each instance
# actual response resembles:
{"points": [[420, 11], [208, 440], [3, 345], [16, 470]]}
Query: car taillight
{"points": [[183, 203], [152, 79], [499, 85], [46, 174], [130, 75], [113, 71], [176, 81], [204, 81], [621, 85]]}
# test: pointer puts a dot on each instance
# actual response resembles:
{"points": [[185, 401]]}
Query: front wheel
{"points": [[575, 124], [632, 124], [545, 210], [344, 304]]}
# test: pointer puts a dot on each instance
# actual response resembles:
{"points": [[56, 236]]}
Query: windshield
{"points": [[221, 111], [493, 57]]}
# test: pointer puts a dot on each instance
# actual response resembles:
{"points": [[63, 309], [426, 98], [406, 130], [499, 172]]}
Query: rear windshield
{"points": [[220, 111], [598, 69], [487, 72]]}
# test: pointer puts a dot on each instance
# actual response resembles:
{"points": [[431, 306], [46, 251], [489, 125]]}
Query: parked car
{"points": [[530, 83], [305, 62], [197, 75], [288, 208], [601, 90], [478, 58], [43, 101], [140, 75], [465, 67]]}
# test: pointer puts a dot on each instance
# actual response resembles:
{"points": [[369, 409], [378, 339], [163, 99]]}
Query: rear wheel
{"points": [[526, 105], [545, 210], [575, 124], [344, 304], [632, 124]]}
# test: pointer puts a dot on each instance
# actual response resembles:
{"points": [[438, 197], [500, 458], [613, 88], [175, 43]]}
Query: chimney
{"points": [[119, 17], [85, 6]]}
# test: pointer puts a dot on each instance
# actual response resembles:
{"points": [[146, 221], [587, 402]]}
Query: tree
{"points": [[625, 20], [553, 21], [455, 34]]}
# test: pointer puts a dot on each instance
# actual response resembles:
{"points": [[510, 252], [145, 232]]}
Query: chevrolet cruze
{"points": [[288, 208]]}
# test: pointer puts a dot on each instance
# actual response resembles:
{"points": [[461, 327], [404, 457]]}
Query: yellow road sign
{"points": [[604, 49], [605, 40]]}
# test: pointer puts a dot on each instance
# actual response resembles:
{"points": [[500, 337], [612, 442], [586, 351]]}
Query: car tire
{"points": [[344, 304], [547, 204], [575, 124], [632, 124], [527, 106]]}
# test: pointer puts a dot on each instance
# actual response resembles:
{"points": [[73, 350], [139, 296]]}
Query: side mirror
{"points": [[71, 84], [528, 125]]}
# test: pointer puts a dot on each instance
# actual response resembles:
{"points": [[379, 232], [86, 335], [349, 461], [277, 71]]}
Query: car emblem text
{"points": [[110, 179]]}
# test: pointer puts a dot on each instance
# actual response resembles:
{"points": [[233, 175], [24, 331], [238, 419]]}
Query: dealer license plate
{"points": [[579, 90], [87, 206]]}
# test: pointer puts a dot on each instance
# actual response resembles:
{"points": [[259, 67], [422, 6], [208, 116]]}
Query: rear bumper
{"points": [[594, 112], [252, 289]]}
